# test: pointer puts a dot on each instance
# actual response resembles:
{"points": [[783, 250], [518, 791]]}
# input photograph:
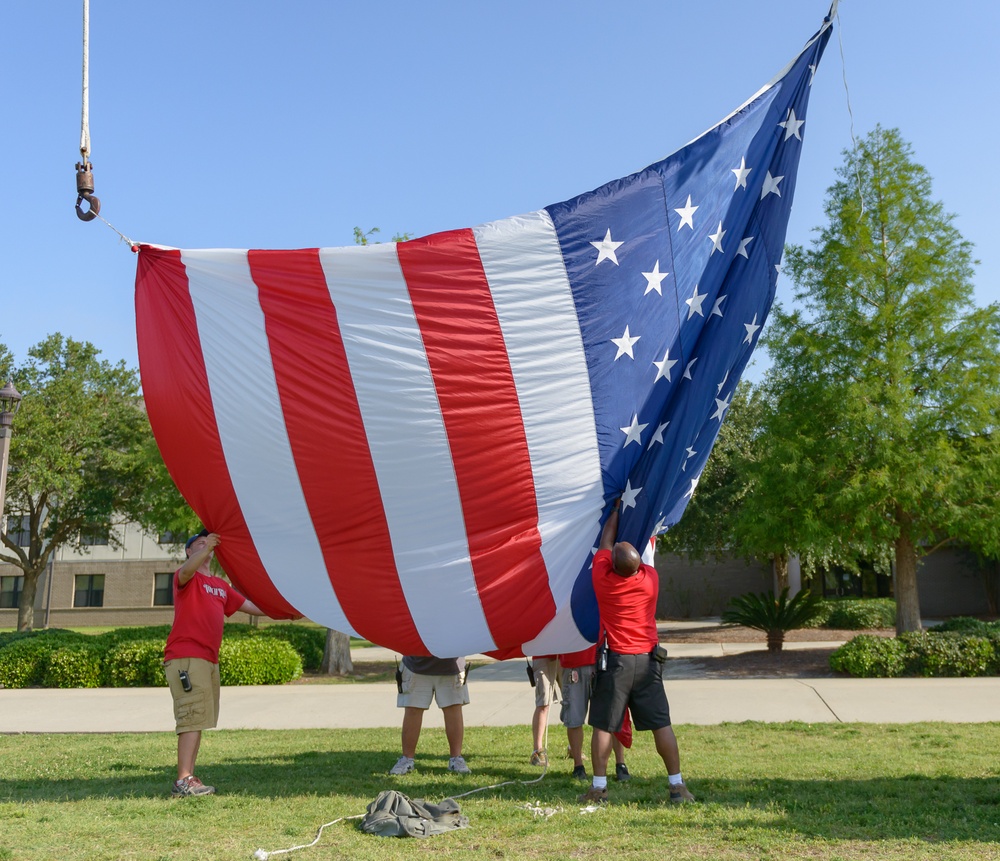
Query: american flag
{"points": [[418, 442]]}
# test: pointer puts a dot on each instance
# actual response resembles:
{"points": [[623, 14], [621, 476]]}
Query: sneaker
{"points": [[579, 773], [679, 794], [621, 773], [458, 763], [190, 785], [540, 757], [404, 765], [594, 796]]}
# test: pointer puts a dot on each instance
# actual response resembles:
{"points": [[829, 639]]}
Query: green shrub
{"points": [[258, 661], [22, 663], [73, 666], [308, 641], [967, 625], [857, 614], [869, 657], [135, 664], [116, 636], [24, 659], [918, 653], [947, 654]]}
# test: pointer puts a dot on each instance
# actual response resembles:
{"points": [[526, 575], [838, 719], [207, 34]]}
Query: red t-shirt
{"points": [[575, 660], [627, 605], [199, 611]]}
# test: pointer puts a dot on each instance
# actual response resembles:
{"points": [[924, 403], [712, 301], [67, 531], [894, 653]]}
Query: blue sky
{"points": [[243, 123]]}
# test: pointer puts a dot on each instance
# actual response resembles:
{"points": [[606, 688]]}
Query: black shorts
{"points": [[633, 681]]}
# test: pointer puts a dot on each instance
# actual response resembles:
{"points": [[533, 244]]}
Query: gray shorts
{"points": [[419, 690], [575, 696], [546, 672]]}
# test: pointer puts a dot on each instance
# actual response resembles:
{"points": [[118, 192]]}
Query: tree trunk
{"points": [[775, 641], [907, 598], [337, 654], [26, 601], [780, 572]]}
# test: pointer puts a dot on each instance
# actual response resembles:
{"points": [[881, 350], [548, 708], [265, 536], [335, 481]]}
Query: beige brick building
{"points": [[99, 583]]}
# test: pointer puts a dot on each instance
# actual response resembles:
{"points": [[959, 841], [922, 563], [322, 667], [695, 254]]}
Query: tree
{"points": [[76, 464], [884, 387]]}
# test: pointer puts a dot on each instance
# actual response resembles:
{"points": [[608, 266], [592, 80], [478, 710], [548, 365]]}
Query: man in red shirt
{"points": [[191, 657], [626, 592]]}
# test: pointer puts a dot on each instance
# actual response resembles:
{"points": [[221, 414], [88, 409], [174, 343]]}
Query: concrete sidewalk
{"points": [[501, 697]]}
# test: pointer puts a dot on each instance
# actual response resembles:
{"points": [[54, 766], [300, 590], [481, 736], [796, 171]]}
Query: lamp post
{"points": [[10, 403]]}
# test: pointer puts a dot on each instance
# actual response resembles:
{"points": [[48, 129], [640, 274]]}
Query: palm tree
{"points": [[773, 616]]}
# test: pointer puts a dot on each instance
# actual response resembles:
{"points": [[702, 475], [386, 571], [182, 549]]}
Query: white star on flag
{"points": [[633, 432], [770, 185], [606, 249], [625, 344], [686, 213], [720, 408], [694, 484], [717, 240], [792, 125], [717, 309], [658, 434], [687, 371], [741, 173], [654, 279], [751, 330], [629, 495], [694, 303], [663, 366], [742, 250]]}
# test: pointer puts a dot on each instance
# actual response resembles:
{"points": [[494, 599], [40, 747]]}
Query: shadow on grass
{"points": [[891, 808]]}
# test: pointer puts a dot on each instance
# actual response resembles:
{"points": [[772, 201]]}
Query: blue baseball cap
{"points": [[191, 540]]}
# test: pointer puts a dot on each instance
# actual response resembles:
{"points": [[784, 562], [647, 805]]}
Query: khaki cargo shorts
{"points": [[198, 708], [419, 690]]}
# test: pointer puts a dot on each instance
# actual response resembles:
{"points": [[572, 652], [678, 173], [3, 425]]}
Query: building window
{"points": [[89, 590], [169, 537], [163, 590], [10, 592], [94, 535], [19, 529]]}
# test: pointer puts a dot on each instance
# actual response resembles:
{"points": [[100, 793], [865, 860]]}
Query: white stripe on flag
{"points": [[537, 314], [254, 439], [409, 445]]}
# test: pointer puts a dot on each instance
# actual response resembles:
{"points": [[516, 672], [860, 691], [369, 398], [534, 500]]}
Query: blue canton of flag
{"points": [[673, 271]]}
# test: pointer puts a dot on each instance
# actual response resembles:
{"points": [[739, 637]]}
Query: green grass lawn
{"points": [[836, 792]]}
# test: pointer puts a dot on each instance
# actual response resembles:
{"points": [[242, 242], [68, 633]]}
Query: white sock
{"points": [[600, 782], [675, 779]]}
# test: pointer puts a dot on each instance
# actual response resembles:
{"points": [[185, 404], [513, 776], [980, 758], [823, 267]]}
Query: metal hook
{"points": [[85, 191], [90, 214]]}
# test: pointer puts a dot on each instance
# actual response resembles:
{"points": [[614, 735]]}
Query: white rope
{"points": [[263, 855], [85, 118], [124, 238], [847, 93]]}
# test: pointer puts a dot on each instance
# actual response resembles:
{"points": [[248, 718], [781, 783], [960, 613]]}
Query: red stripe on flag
{"points": [[475, 387], [321, 414], [175, 383]]}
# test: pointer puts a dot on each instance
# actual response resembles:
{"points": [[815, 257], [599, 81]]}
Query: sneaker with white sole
{"points": [[458, 763], [189, 786], [404, 765]]}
